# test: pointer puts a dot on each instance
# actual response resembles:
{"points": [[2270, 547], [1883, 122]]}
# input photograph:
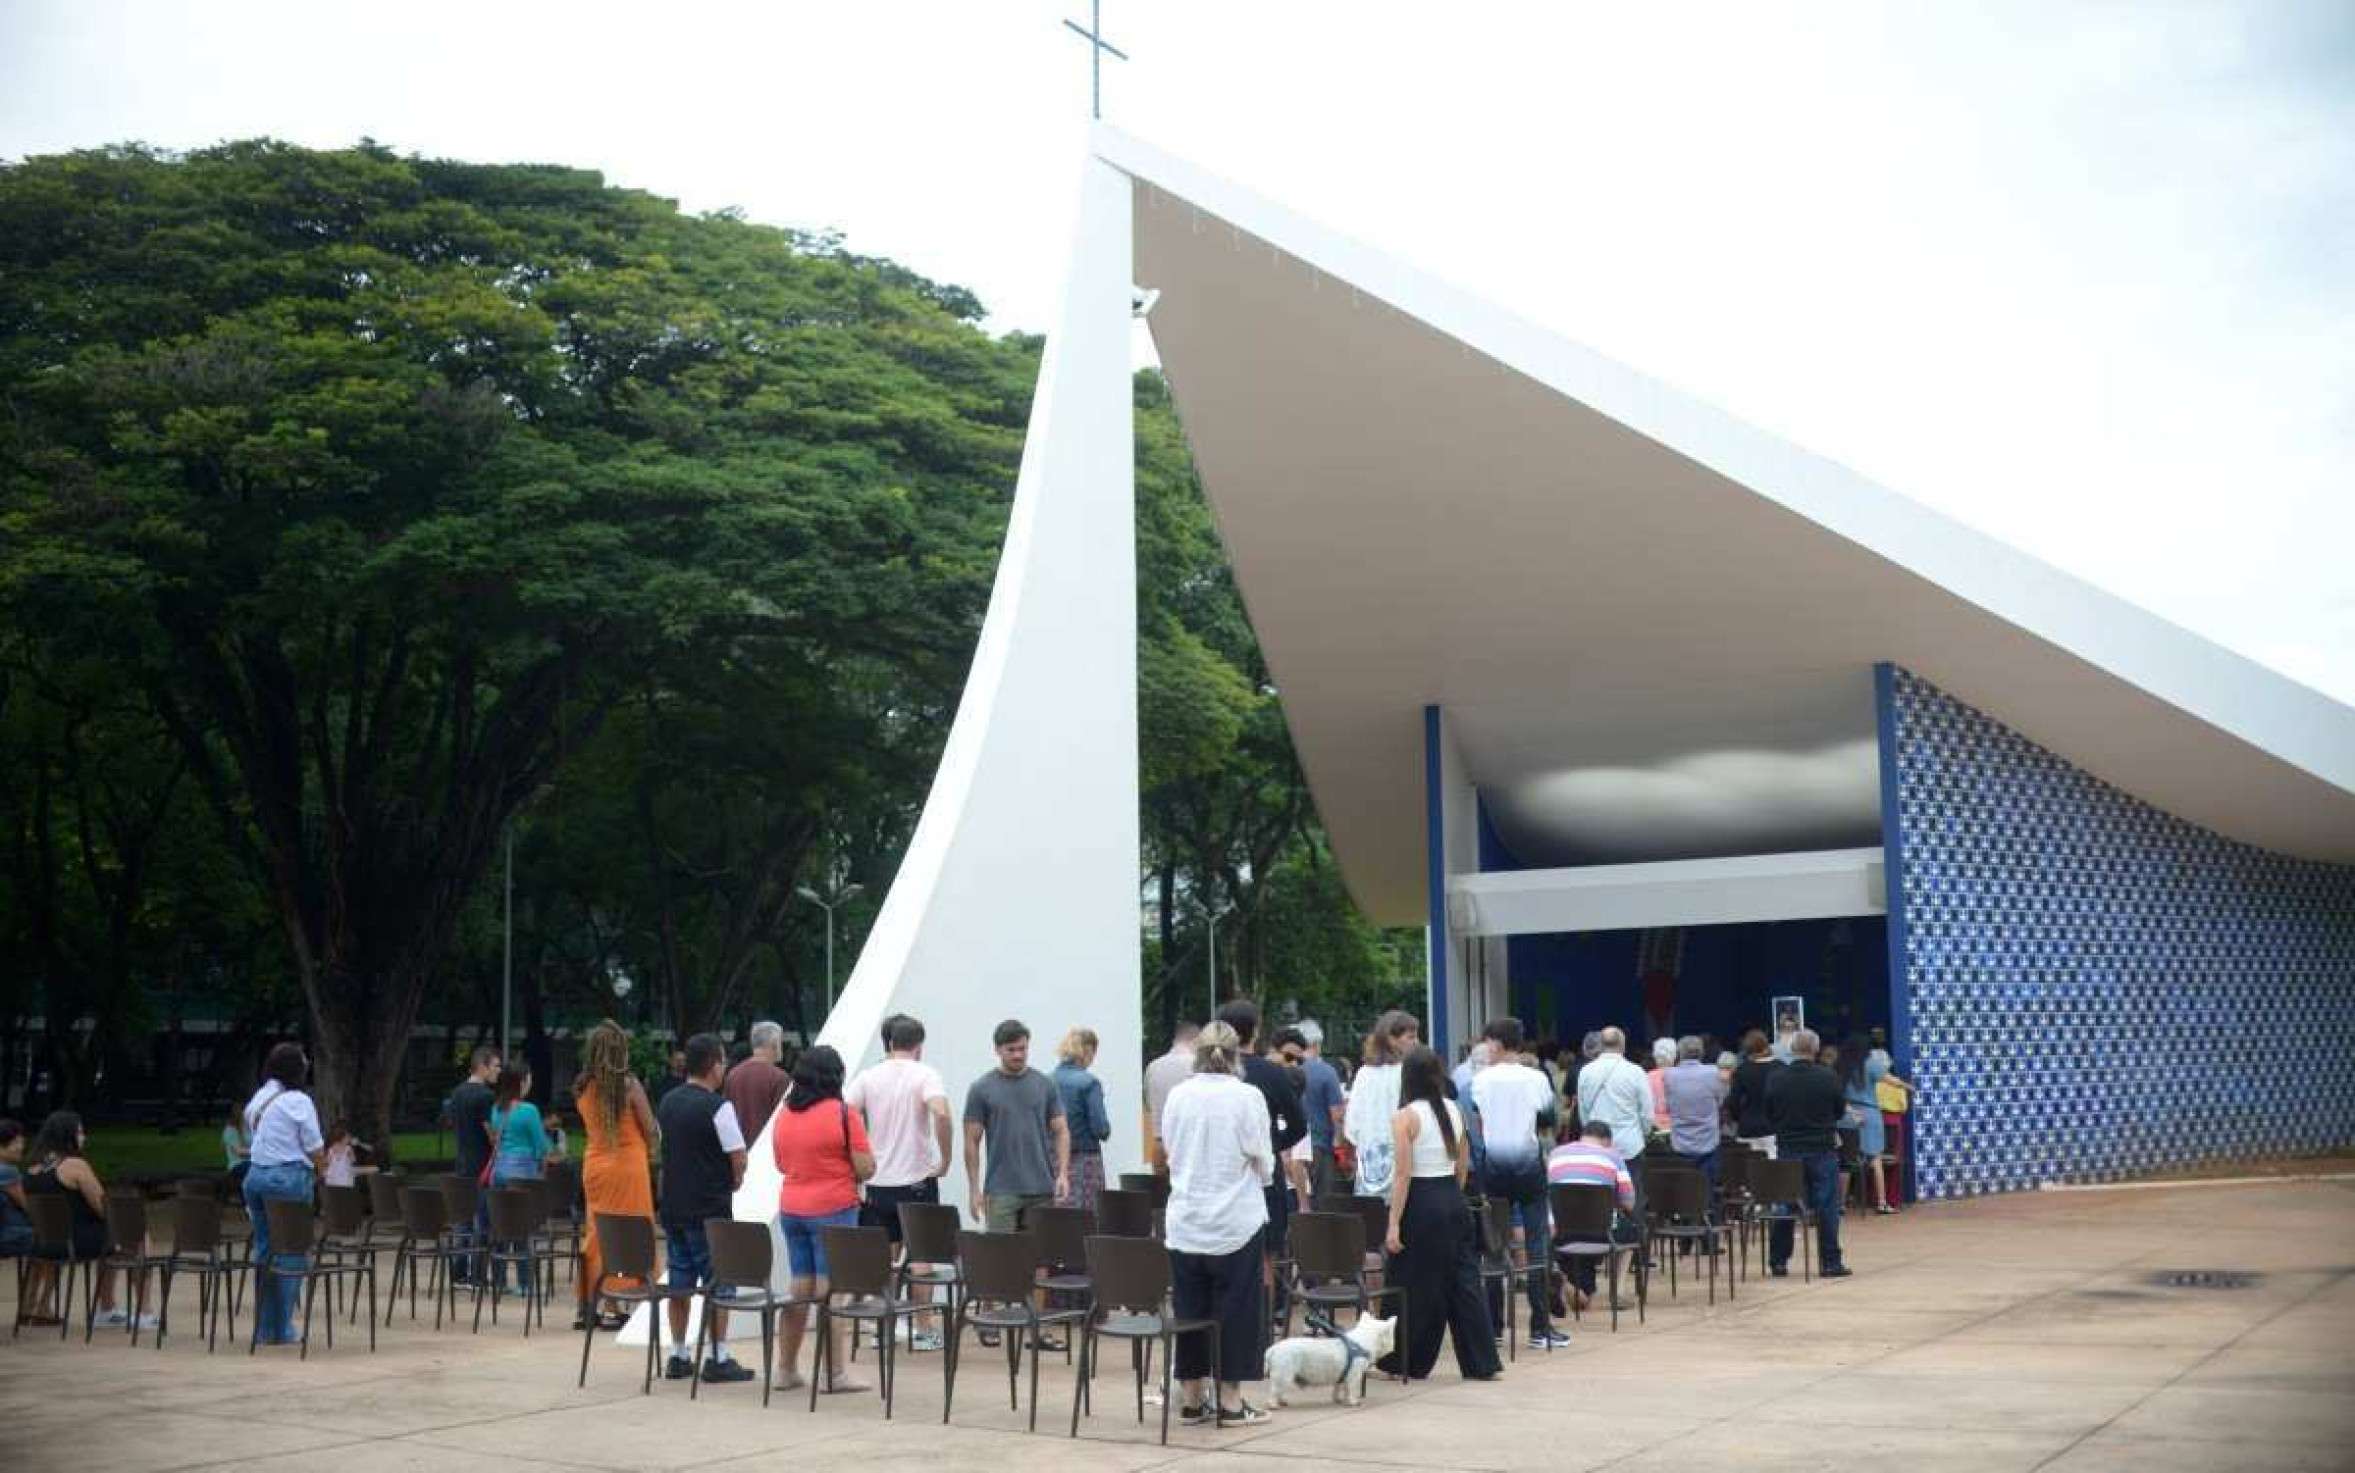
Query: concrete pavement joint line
{"points": [[2327, 1280], [1838, 1371]]}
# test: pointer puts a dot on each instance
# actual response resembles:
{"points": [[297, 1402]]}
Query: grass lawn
{"points": [[118, 1150]]}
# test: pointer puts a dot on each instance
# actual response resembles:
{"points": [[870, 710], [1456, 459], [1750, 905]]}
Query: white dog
{"points": [[1324, 1360]]}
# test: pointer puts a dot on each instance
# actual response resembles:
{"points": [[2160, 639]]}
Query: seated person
{"points": [[1591, 1160]]}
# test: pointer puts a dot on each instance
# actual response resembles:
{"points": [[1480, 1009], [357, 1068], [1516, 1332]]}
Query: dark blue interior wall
{"points": [[2097, 987], [1712, 979]]}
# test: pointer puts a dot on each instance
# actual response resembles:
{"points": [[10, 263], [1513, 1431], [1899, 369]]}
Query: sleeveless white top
{"points": [[1431, 1156]]}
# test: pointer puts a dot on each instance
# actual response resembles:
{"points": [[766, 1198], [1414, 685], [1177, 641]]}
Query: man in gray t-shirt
{"points": [[1019, 1112]]}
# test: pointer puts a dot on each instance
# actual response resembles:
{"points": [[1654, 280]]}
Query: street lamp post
{"points": [[507, 956], [1210, 956], [841, 897]]}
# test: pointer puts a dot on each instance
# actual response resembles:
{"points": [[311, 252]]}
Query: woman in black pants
{"points": [[1432, 1252]]}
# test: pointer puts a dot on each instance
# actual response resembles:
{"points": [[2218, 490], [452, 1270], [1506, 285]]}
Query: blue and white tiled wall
{"points": [[2095, 987]]}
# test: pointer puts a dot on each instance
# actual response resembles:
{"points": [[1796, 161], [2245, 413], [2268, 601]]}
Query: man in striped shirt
{"points": [[1592, 1161]]}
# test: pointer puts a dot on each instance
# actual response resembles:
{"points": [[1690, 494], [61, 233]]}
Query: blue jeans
{"points": [[805, 1238], [1706, 1164], [273, 1296], [1823, 1198]]}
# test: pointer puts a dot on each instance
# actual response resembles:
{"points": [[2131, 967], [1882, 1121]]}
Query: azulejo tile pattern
{"points": [[2096, 986]]}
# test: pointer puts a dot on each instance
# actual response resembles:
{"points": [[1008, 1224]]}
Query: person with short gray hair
{"points": [[1804, 1103], [756, 1085], [1696, 1104]]}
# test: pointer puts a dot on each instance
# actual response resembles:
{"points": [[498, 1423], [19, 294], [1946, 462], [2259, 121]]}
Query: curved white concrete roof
{"points": [[1652, 625]]}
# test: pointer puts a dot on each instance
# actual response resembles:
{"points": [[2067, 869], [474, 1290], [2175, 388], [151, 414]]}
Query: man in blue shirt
{"points": [[1322, 1101]]}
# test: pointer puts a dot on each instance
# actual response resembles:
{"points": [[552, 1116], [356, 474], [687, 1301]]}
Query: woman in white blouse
{"points": [[1373, 1099], [1433, 1253], [1221, 1159], [286, 1153]]}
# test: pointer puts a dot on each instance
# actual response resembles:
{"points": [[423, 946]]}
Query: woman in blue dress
{"points": [[1861, 1069]]}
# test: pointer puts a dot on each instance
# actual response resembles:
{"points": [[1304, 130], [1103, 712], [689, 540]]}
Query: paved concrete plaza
{"points": [[2011, 1333]]}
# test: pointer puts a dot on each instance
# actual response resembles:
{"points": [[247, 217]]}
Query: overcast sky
{"points": [[2080, 274]]}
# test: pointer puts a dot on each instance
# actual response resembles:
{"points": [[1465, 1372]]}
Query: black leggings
{"points": [[1440, 1271]]}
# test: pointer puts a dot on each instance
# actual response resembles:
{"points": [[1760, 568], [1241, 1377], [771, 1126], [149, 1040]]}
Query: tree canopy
{"points": [[358, 511]]}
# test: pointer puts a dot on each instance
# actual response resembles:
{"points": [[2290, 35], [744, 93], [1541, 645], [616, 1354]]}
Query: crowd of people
{"points": [[1247, 1125]]}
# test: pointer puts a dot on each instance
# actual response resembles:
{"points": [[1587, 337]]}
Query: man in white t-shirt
{"points": [[1516, 1112], [906, 1106]]}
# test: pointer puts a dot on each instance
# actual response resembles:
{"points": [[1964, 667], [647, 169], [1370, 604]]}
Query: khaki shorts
{"points": [[1011, 1213]]}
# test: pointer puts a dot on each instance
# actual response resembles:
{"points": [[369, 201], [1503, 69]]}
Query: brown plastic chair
{"points": [[1121, 1213], [1495, 1227], [1583, 1214], [127, 1252], [626, 1246], [1373, 1212], [1153, 1184], [1062, 1235], [1001, 1271], [426, 1239], [293, 1234], [859, 1281], [348, 1234], [53, 1243], [1778, 1189], [928, 1257], [1329, 1268], [1679, 1210], [561, 1224], [1132, 1303], [515, 1227], [743, 1255], [196, 1249]]}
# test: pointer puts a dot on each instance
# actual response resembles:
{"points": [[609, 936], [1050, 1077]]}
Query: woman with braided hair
{"points": [[618, 1124]]}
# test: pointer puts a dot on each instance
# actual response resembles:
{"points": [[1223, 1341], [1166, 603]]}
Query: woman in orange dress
{"points": [[616, 1176]]}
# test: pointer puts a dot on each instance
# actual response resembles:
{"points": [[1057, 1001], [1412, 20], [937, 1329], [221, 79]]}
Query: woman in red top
{"points": [[822, 1151]]}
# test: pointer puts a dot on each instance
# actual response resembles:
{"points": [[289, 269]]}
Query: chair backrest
{"points": [[1373, 1212], [515, 1212], [1329, 1245], [742, 1253], [1581, 1211], [1496, 1234], [384, 1196], [346, 1210], [291, 1226], [461, 1195], [1129, 1273], [626, 1244], [1124, 1214], [425, 1212], [198, 1186], [126, 1222], [53, 1223], [858, 1260], [1062, 1234], [1676, 1196], [563, 1188], [999, 1268], [196, 1225], [1153, 1184], [930, 1231], [1778, 1183], [1733, 1172]]}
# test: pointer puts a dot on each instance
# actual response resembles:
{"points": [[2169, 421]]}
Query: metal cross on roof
{"points": [[1097, 46]]}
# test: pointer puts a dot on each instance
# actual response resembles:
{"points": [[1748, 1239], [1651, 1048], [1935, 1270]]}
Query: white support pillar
{"points": [[1018, 895]]}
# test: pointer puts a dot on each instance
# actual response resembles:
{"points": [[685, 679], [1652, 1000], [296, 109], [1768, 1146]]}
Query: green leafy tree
{"points": [[387, 481]]}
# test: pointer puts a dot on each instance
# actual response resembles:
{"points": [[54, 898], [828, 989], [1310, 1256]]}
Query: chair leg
{"points": [[1079, 1389], [768, 1352], [819, 1358], [1168, 1354], [702, 1326], [588, 1340], [1034, 1339], [310, 1302], [948, 1359], [887, 1328]]}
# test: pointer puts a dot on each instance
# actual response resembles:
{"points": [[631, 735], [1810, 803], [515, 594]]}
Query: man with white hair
{"points": [[1804, 1104], [756, 1086], [1616, 1092]]}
